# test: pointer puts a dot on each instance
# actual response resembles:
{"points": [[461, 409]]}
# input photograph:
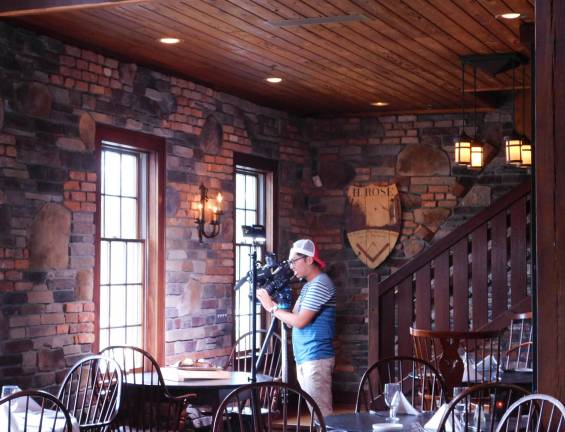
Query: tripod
{"points": [[257, 361]]}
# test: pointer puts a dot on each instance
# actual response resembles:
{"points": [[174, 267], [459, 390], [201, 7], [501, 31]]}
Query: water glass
{"points": [[7, 390], [392, 399]]}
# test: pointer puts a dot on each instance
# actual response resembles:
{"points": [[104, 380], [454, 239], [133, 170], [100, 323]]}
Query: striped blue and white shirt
{"points": [[315, 341]]}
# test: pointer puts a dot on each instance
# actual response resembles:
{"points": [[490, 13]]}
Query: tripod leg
{"points": [[261, 357]]}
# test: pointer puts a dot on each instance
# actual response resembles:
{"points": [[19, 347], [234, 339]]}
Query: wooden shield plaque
{"points": [[373, 221]]}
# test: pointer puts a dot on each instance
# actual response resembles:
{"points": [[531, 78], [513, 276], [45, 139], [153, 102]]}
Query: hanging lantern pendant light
{"points": [[513, 142], [463, 141]]}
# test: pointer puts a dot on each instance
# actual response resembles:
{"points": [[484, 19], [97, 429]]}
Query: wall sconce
{"points": [[216, 213]]}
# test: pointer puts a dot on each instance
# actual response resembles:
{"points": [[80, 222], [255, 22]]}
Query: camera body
{"points": [[275, 278]]}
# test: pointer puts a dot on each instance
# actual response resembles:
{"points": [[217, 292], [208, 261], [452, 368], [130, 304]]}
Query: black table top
{"points": [[517, 377], [363, 422]]}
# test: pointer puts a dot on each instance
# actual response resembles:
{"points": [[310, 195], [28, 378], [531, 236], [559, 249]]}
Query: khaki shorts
{"points": [[315, 378]]}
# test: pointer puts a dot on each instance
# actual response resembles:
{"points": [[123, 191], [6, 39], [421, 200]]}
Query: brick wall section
{"points": [[47, 88], [47, 314], [373, 147]]}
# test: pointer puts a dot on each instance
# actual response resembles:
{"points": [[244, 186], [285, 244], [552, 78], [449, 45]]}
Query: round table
{"points": [[208, 391], [363, 422]]}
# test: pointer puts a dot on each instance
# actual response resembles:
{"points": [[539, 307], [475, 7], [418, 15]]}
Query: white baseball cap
{"points": [[308, 248]]}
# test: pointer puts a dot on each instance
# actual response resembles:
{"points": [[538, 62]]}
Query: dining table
{"points": [[364, 421], [208, 388]]}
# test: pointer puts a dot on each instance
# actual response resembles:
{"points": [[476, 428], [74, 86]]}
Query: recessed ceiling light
{"points": [[510, 15], [169, 40], [379, 104], [273, 79]]}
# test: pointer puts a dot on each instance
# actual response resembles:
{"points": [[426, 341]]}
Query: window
{"points": [[254, 204], [130, 258]]}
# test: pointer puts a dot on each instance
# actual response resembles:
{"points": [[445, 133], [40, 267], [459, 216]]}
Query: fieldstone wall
{"points": [[52, 96], [416, 153]]}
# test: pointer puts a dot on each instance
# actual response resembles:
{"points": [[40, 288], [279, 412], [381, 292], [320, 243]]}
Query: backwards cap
{"points": [[308, 248]]}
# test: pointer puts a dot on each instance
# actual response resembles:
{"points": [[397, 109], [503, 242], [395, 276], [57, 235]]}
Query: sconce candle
{"points": [[477, 155], [526, 154], [216, 213]]}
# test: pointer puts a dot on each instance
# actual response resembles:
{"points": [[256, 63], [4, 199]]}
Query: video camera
{"points": [[274, 277]]}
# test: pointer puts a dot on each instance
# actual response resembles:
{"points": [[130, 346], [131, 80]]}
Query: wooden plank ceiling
{"points": [[403, 52]]}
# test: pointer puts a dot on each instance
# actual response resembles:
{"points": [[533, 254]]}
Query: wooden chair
{"points": [[536, 412], [147, 403], [455, 354], [519, 347], [270, 362], [38, 411], [289, 408], [480, 407], [421, 384], [92, 392]]}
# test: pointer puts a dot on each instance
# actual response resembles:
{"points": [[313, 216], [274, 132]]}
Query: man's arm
{"points": [[294, 319]]}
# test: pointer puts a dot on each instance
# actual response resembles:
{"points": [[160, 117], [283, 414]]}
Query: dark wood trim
{"points": [[271, 167], [452, 238], [550, 196], [12, 8], [264, 164], [155, 303]]}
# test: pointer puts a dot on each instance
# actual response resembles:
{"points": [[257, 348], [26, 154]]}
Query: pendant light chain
{"points": [[475, 100]]}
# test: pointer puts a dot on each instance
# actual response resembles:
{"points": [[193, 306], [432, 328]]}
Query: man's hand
{"points": [[265, 299]]}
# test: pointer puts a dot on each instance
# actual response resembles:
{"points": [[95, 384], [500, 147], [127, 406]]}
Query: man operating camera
{"points": [[313, 323]]}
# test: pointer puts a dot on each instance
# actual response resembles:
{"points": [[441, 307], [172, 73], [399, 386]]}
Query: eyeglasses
{"points": [[292, 261]]}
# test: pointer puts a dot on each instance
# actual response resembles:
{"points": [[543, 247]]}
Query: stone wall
{"points": [[416, 153], [53, 95]]}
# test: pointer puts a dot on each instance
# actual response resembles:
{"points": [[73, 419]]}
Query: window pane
{"points": [[118, 336], [112, 171], [118, 305], [104, 306], [133, 336], [104, 263], [250, 192], [134, 264], [250, 217], [129, 175], [118, 262], [239, 221], [240, 191], [104, 339], [134, 299], [129, 218], [112, 217]]}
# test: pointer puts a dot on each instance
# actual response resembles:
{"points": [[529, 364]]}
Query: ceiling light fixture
{"points": [[273, 79], [379, 104], [169, 40], [510, 15]]}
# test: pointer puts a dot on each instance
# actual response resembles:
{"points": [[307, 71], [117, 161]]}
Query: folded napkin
{"points": [[51, 420], [474, 373], [404, 405], [453, 424]]}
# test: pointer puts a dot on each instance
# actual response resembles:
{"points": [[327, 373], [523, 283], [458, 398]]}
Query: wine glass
{"points": [[392, 399], [460, 407]]}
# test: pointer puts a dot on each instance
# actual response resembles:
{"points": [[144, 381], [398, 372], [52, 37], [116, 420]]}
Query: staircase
{"points": [[474, 278]]}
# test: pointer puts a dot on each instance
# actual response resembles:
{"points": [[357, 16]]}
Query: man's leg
{"points": [[315, 378]]}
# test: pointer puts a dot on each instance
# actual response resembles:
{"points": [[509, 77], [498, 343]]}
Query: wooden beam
{"points": [[550, 197], [12, 8]]}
